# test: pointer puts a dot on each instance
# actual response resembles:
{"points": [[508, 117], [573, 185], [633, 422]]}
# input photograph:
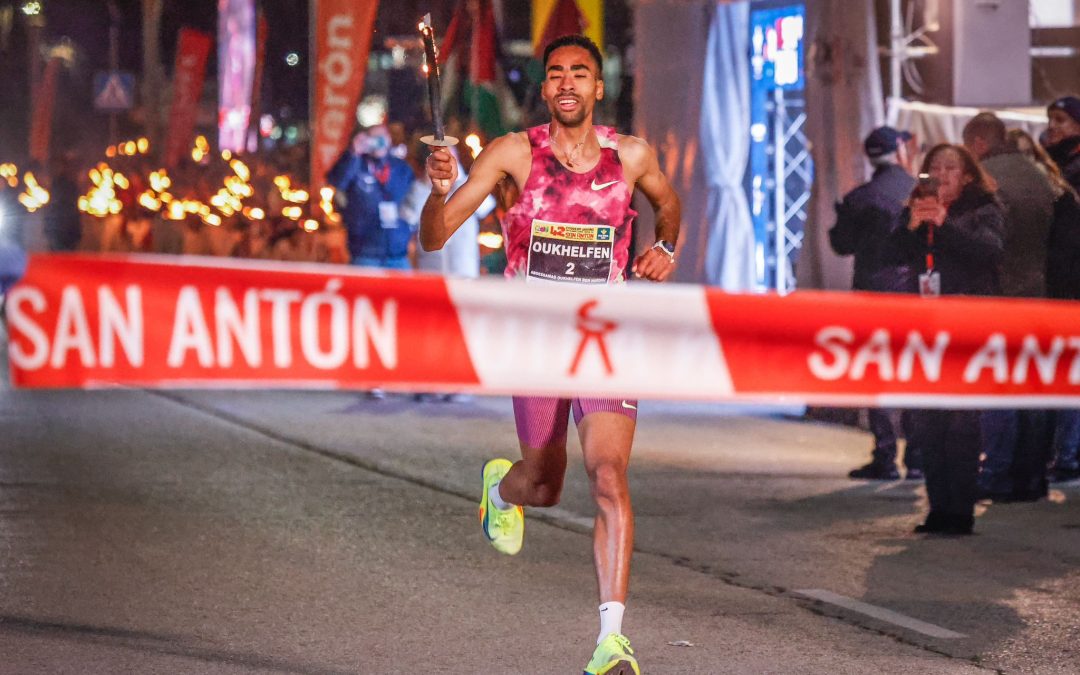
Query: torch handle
{"points": [[439, 138], [434, 87]]}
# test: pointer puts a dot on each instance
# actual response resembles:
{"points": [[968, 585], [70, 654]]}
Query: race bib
{"points": [[570, 253], [388, 215]]}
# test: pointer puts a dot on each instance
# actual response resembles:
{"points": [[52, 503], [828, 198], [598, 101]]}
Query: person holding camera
{"points": [[954, 234], [371, 184]]}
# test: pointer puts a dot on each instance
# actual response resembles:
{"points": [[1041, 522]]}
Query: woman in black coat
{"points": [[955, 223]]}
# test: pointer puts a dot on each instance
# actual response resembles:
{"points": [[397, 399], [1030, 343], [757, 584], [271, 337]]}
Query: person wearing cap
{"points": [[1062, 137], [1016, 443], [1062, 142], [865, 219]]}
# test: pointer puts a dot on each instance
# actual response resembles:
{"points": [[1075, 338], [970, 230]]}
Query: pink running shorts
{"points": [[542, 421]]}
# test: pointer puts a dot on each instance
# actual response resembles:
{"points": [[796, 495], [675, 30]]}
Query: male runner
{"points": [[575, 181]]}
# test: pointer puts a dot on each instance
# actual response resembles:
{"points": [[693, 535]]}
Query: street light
{"points": [[32, 8]]}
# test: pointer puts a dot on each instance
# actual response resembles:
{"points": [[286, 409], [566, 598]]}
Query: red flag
{"points": [[192, 51], [41, 127], [450, 39], [343, 30], [482, 56], [565, 19]]}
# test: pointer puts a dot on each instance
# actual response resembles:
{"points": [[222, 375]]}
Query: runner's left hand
{"points": [[653, 265]]}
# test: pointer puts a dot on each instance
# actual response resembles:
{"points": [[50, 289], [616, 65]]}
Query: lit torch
{"points": [[431, 68]]}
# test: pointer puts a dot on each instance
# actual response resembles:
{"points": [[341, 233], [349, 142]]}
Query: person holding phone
{"points": [[954, 234]]}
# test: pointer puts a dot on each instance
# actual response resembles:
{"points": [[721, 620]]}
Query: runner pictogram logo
{"points": [[592, 329]]}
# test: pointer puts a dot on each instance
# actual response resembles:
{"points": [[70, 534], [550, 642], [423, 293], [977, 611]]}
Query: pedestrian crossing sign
{"points": [[114, 91]]}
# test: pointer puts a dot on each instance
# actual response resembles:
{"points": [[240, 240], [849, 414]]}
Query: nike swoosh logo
{"points": [[602, 185], [628, 406]]}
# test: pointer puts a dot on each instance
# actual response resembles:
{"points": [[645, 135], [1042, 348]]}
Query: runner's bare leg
{"points": [[606, 439], [537, 478]]}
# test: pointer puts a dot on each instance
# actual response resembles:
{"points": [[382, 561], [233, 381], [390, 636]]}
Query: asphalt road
{"points": [[291, 532]]}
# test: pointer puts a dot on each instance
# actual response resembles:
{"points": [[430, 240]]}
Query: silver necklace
{"points": [[570, 156]]}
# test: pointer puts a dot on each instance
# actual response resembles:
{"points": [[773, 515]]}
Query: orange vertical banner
{"points": [[343, 31], [45, 101], [192, 52]]}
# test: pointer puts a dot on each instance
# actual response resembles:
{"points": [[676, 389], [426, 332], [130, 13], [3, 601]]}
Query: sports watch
{"points": [[666, 247]]}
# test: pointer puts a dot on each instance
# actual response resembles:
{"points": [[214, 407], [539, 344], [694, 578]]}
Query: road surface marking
{"points": [[881, 614]]}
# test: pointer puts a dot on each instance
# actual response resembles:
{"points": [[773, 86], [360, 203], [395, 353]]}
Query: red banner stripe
{"points": [[88, 321], [854, 346]]}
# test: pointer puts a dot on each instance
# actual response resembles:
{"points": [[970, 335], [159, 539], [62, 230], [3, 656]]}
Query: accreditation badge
{"points": [[562, 252], [930, 284], [388, 215]]}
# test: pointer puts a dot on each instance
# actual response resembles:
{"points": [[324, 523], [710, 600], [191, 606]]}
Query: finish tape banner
{"points": [[146, 321]]}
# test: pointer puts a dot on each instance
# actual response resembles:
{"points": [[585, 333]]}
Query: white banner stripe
{"points": [[653, 342]]}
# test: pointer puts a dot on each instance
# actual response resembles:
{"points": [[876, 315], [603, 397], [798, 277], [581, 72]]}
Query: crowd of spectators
{"points": [[368, 217], [998, 215]]}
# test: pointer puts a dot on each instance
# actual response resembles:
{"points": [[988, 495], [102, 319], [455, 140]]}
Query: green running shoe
{"points": [[613, 656], [504, 529]]}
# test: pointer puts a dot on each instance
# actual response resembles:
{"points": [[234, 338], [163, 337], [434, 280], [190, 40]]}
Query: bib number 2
{"points": [[571, 253]]}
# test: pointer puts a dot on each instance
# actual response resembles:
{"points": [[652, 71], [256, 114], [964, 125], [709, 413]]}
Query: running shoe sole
{"points": [[619, 668]]}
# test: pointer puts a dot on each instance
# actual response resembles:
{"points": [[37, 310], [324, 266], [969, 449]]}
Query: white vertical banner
{"points": [[725, 145]]}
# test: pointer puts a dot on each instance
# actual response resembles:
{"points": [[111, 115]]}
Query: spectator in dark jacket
{"points": [[1063, 248], [1063, 137], [865, 219], [967, 224], [1028, 196], [1062, 141], [371, 185], [1016, 443], [869, 213]]}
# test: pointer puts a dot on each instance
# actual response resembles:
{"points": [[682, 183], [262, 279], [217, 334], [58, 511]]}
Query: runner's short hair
{"points": [[576, 41]]}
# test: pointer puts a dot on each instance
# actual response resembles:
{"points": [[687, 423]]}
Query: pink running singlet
{"points": [[568, 227]]}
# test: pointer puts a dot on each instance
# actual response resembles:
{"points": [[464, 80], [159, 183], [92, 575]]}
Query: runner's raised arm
{"points": [[441, 218]]}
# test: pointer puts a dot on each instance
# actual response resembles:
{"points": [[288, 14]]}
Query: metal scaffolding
{"points": [[793, 177]]}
